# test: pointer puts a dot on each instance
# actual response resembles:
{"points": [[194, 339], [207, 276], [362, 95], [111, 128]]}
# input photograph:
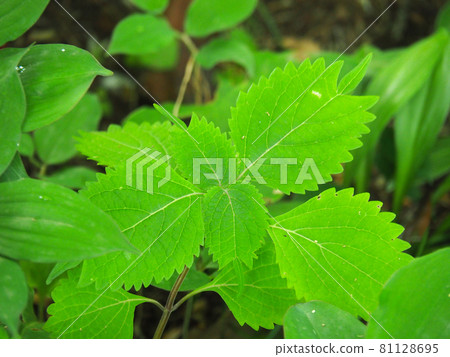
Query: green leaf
{"points": [[15, 170], [290, 116], [139, 34], [12, 104], [351, 80], [61, 268], [317, 319], [17, 16], [13, 293], [164, 59], [34, 330], [72, 177], [26, 146], [115, 146], [437, 164], [43, 222], [3, 334], [55, 143], [166, 226], [145, 114], [87, 313], [443, 18], [226, 50], [205, 17], [235, 223], [202, 153], [414, 302], [152, 6], [55, 77], [262, 297], [417, 126], [340, 249]]}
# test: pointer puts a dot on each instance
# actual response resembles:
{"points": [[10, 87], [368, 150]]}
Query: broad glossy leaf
{"points": [[340, 249], [152, 6], [396, 83], [72, 177], [202, 153], [12, 104], [87, 313], [55, 143], [205, 17], [17, 16], [141, 33], [290, 116], [414, 302], [317, 319], [55, 77], [166, 226], [262, 297], [13, 293], [235, 223], [115, 146], [417, 126], [43, 222], [226, 50]]}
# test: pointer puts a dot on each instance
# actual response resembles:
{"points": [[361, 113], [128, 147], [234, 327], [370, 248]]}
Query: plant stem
{"points": [[168, 309], [186, 78]]}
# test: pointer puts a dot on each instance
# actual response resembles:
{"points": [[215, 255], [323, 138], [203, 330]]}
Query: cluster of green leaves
{"points": [[42, 106], [265, 263], [413, 304], [90, 248]]}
